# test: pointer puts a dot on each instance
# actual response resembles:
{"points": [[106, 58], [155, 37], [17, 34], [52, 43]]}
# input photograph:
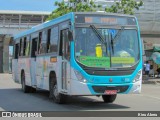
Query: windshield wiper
{"points": [[118, 34], [113, 40], [101, 38], [112, 44]]}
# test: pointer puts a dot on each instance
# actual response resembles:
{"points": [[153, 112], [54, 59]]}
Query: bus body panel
{"points": [[15, 69], [24, 65], [59, 73], [40, 65], [63, 75], [27, 70], [45, 67], [33, 71]]}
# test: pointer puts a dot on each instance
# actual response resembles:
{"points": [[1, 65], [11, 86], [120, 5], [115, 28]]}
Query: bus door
{"points": [[64, 52], [15, 62], [33, 60]]}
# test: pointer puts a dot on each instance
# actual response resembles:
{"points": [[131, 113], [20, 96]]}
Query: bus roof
{"points": [[104, 13], [44, 25], [63, 18]]}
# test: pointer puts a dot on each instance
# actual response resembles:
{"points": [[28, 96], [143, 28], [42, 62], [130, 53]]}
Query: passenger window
{"points": [[43, 43], [24, 46], [20, 47], [16, 51], [40, 42], [54, 39], [27, 50], [34, 47], [48, 40]]}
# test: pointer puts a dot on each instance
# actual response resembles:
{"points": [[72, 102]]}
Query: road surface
{"points": [[13, 99]]}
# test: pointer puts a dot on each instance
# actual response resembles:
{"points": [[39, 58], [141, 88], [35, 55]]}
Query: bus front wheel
{"points": [[57, 97], [109, 98]]}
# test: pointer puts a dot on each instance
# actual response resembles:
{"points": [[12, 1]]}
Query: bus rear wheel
{"points": [[109, 98], [25, 88], [54, 94]]}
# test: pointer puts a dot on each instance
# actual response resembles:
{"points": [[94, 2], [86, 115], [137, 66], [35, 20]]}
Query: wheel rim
{"points": [[55, 92]]}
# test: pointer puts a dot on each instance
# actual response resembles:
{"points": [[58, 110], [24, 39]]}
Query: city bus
{"points": [[80, 54]]}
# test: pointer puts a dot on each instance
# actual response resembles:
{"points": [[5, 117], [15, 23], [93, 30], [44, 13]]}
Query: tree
{"points": [[73, 6], [124, 6]]}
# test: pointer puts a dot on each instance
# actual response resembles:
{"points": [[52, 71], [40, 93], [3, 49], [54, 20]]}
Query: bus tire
{"points": [[25, 88], [57, 97], [33, 90], [109, 98]]}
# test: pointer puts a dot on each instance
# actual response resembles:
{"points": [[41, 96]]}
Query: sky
{"points": [[28, 5]]}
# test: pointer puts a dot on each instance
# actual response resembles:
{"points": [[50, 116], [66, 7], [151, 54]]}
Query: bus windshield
{"points": [[118, 49]]}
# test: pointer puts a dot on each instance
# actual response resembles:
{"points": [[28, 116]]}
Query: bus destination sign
{"points": [[105, 19], [100, 20]]}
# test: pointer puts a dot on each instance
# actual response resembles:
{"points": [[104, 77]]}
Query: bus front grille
{"points": [[102, 89]]}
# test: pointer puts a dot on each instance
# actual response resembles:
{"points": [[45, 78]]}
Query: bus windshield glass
{"points": [[119, 48]]}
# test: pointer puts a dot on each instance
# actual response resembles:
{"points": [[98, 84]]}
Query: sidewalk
{"points": [[151, 80]]}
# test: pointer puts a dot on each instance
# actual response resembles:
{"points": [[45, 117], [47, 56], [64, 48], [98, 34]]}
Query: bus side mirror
{"points": [[70, 36]]}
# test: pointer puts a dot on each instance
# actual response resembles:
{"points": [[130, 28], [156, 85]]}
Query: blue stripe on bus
{"points": [[46, 24]]}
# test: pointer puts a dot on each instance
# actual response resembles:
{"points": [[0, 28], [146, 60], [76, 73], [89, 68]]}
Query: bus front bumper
{"points": [[80, 88]]}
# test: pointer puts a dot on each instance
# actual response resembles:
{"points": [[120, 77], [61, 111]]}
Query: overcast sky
{"points": [[29, 5]]}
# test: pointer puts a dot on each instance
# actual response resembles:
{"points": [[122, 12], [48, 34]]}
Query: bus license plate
{"points": [[111, 92]]}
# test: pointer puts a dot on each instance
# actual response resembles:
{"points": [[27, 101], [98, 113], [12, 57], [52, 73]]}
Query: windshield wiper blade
{"points": [[98, 34], [112, 44], [113, 40], [118, 34]]}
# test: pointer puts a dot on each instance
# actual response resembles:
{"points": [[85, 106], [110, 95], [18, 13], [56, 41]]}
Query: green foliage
{"points": [[125, 7], [73, 6]]}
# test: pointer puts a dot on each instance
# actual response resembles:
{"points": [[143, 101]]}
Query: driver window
{"points": [[65, 45]]}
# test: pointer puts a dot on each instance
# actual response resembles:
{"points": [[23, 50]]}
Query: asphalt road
{"points": [[13, 99]]}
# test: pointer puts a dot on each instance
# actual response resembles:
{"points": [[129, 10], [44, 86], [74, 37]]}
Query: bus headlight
{"points": [[138, 76], [79, 76]]}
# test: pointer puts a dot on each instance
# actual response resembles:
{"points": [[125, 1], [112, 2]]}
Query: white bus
{"points": [[80, 54]]}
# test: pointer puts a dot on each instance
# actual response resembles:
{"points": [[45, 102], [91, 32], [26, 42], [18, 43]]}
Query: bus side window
{"points": [[64, 44], [43, 43], [48, 40], [27, 50], [16, 52], [67, 46], [40, 42], [54, 39], [34, 47], [24, 46], [61, 44], [20, 46]]}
